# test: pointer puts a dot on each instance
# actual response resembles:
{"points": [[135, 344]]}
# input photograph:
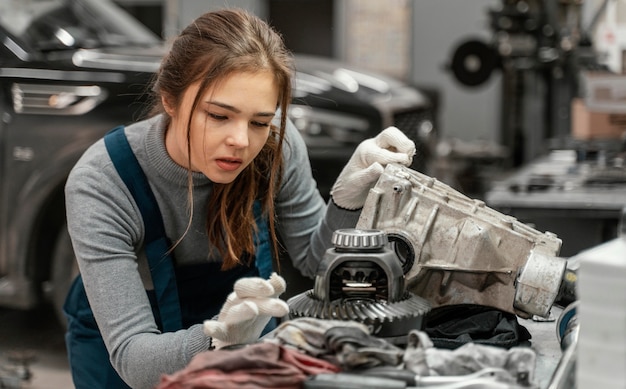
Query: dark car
{"points": [[70, 70]]}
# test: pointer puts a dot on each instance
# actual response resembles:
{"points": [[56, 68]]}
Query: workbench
{"points": [[546, 345]]}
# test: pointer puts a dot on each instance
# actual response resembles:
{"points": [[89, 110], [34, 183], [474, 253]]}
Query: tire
{"points": [[64, 270]]}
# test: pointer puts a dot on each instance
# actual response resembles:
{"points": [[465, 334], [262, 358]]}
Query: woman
{"points": [[229, 174]]}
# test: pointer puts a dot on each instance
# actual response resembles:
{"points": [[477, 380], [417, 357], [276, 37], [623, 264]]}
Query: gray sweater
{"points": [[107, 234]]}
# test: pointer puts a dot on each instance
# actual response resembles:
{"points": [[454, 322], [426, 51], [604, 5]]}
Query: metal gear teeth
{"points": [[391, 320]]}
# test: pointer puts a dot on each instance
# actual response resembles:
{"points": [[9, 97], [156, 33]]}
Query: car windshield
{"points": [[48, 25]]}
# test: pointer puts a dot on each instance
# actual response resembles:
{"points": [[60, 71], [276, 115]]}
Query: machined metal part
{"points": [[456, 250], [361, 279], [567, 328], [488, 378]]}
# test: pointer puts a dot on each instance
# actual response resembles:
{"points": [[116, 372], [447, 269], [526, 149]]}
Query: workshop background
{"points": [[511, 82], [530, 118]]}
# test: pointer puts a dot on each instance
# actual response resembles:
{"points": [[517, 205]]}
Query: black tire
{"points": [[64, 270]]}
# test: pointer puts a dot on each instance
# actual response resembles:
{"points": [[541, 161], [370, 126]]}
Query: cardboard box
{"points": [[604, 92], [593, 125]]}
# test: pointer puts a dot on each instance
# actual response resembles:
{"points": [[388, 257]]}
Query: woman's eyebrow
{"points": [[235, 110]]}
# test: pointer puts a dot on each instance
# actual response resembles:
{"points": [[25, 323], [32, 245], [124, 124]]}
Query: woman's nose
{"points": [[238, 135]]}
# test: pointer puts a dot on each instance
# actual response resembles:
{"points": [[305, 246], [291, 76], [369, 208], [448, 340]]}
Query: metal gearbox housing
{"points": [[456, 250]]}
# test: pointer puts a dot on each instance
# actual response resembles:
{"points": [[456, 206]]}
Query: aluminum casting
{"points": [[456, 250]]}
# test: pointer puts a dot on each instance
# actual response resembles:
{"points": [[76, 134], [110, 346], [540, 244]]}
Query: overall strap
{"points": [[263, 251], [157, 245]]}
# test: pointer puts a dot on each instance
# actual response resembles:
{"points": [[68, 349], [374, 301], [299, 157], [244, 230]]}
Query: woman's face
{"points": [[228, 128]]}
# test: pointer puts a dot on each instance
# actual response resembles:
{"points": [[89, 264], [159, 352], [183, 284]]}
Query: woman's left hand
{"points": [[367, 164]]}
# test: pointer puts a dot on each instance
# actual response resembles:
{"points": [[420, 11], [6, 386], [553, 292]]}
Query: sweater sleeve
{"points": [[305, 222], [106, 231]]}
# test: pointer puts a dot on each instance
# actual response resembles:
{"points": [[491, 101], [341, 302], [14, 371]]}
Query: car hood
{"points": [[315, 76], [326, 77], [127, 58]]}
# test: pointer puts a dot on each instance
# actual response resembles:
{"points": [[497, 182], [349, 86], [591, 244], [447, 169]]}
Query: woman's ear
{"points": [[167, 105]]}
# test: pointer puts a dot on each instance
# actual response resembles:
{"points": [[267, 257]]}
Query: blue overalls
{"points": [[181, 297]]}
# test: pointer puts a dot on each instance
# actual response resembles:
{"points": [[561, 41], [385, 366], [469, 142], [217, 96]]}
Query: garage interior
{"points": [[528, 132]]}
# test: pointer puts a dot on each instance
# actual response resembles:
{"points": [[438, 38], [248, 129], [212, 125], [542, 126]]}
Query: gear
{"points": [[361, 279]]}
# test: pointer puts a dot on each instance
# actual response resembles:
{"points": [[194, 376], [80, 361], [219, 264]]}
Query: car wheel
{"points": [[64, 270]]}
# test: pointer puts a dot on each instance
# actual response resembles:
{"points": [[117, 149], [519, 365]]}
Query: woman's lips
{"points": [[228, 164]]}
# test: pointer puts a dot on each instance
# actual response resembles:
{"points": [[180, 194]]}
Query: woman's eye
{"points": [[261, 125], [217, 117]]}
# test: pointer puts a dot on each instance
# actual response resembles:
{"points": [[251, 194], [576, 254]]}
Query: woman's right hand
{"points": [[247, 311]]}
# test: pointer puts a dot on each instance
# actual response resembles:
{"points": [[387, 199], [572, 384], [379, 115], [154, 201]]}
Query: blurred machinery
{"points": [[577, 193], [571, 178], [540, 47]]}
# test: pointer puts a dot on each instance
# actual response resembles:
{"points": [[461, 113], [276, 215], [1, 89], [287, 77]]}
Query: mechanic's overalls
{"points": [[181, 297]]}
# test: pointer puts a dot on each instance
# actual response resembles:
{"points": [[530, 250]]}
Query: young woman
{"points": [[225, 175]]}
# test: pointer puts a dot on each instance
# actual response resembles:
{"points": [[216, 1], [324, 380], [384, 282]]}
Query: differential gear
{"points": [[361, 279]]}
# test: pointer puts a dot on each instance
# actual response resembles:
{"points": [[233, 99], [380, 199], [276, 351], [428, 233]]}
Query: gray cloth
{"points": [[357, 349], [107, 234], [308, 334], [422, 358], [345, 343]]}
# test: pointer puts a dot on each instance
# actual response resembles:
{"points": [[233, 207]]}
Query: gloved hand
{"points": [[247, 311], [367, 164]]}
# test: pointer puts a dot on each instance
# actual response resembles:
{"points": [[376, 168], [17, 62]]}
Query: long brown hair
{"points": [[212, 47]]}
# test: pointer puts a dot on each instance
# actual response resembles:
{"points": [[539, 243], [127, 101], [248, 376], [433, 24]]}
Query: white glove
{"points": [[367, 164], [247, 311]]}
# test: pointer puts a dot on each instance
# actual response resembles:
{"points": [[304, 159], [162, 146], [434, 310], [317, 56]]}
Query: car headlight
{"points": [[325, 128]]}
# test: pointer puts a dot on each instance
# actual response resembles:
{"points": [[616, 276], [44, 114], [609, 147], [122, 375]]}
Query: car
{"points": [[70, 70]]}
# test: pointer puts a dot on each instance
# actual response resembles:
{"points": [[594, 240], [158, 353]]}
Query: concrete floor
{"points": [[37, 333]]}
